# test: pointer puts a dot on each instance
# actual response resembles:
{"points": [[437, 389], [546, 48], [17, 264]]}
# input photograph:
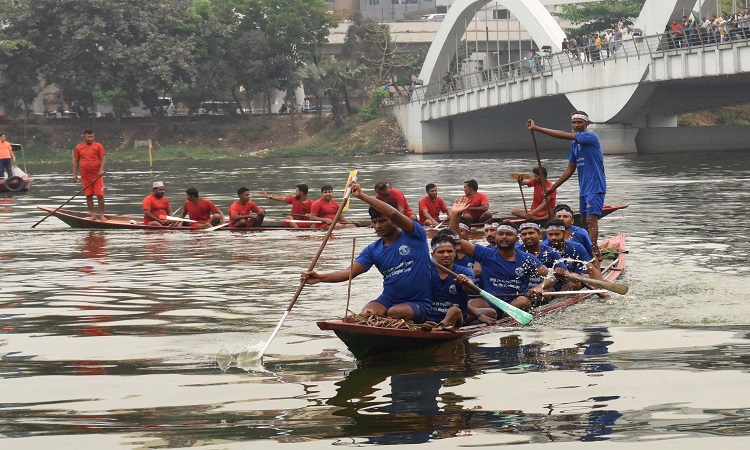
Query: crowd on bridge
{"points": [[691, 31]]}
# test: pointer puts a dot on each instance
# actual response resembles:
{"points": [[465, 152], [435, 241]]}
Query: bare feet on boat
{"points": [[92, 217], [103, 218]]}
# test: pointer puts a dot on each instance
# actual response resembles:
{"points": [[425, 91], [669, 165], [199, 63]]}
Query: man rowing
{"points": [[244, 213], [430, 207], [301, 204], [324, 209], [203, 211], [156, 206], [450, 301], [572, 232], [575, 256], [479, 204], [531, 243], [585, 155], [505, 270], [394, 196], [539, 208], [402, 257]]}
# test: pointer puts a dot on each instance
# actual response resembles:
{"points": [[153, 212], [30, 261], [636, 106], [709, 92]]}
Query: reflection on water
{"points": [[136, 339]]}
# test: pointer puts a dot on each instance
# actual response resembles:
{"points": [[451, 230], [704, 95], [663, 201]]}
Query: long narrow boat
{"points": [[366, 341], [606, 210], [78, 219]]}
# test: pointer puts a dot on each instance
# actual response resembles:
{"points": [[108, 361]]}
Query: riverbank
{"points": [[210, 137]]}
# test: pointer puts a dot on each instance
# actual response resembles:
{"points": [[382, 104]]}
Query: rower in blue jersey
{"points": [[573, 253], [461, 259], [449, 298], [402, 257], [504, 269], [572, 232], [531, 242]]}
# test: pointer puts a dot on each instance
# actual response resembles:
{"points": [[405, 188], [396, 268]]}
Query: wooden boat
{"points": [[606, 210], [78, 219], [366, 341]]}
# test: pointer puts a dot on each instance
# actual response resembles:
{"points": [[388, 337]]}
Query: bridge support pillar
{"points": [[616, 139]]}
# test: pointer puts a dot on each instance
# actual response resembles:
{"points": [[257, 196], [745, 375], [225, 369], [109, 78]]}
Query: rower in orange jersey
{"points": [[241, 212], [391, 195], [325, 208], [156, 206], [478, 203], [539, 208], [202, 210], [301, 205], [430, 207]]}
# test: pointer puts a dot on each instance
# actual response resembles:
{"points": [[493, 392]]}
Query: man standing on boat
{"points": [[300, 202], [402, 257], [241, 212], [430, 207], [156, 206], [395, 197], [505, 270], [7, 158], [539, 208], [479, 204], [203, 211], [325, 208], [586, 156], [90, 157]]}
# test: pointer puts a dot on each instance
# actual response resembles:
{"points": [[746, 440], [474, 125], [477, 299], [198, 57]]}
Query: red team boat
{"points": [[366, 341]]}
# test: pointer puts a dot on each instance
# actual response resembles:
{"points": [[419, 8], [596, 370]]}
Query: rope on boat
{"points": [[373, 320]]}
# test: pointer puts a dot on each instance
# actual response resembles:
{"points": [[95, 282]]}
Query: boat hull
{"points": [[365, 341]]}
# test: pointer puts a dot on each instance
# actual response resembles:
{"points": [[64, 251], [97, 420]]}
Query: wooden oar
{"points": [[617, 288], [221, 225], [68, 201], [516, 314], [520, 177], [314, 262], [541, 175], [351, 270], [178, 218]]}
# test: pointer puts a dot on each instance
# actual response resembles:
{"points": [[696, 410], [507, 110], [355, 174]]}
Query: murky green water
{"points": [[110, 338]]}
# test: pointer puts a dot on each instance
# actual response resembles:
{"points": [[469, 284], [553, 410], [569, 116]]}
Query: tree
{"points": [[595, 17]]}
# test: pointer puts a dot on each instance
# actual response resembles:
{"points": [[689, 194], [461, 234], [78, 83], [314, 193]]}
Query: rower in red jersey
{"points": [[478, 203], [241, 212], [202, 210], [325, 208], [395, 197], [430, 207], [299, 216]]}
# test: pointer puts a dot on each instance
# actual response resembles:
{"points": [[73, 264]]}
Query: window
{"points": [[500, 14]]}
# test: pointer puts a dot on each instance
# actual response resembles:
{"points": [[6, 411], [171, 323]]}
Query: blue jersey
{"points": [[466, 261], [500, 276], [447, 293], [405, 265], [580, 235], [586, 152], [549, 257], [574, 250]]}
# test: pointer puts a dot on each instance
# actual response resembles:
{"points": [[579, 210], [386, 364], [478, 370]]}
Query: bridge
{"points": [[633, 94]]}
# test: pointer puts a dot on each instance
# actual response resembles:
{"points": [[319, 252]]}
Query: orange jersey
{"points": [[433, 207], [477, 200], [89, 160], [539, 196], [156, 206], [5, 150], [202, 211], [324, 210], [238, 209], [298, 207], [397, 198]]}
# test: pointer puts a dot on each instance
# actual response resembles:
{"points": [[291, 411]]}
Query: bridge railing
{"points": [[545, 64]]}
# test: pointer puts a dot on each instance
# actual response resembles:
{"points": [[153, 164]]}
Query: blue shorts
{"points": [[420, 308], [592, 204]]}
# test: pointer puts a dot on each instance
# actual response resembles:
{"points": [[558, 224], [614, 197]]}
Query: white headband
{"points": [[580, 116], [439, 243], [565, 212], [464, 227], [507, 228], [556, 227], [530, 225], [158, 184], [491, 225]]}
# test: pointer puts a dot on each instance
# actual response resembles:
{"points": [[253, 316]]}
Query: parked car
{"points": [[433, 17]]}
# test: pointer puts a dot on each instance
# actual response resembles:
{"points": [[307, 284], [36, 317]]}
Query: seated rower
{"points": [[394, 196], [490, 231], [430, 207], [504, 269], [203, 211], [461, 258], [531, 242], [401, 256], [240, 213], [574, 255], [450, 301], [325, 208], [539, 208], [574, 233], [479, 204], [156, 206], [300, 202]]}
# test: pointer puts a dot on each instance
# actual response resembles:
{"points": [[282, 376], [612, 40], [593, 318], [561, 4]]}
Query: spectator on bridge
{"points": [[676, 35], [617, 36]]}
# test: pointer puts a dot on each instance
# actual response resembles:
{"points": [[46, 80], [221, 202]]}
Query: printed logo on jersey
{"points": [[452, 289], [519, 271], [404, 250]]}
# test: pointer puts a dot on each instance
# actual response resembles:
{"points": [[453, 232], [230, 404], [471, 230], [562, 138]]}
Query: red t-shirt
{"points": [[298, 207], [156, 206], [5, 149], [434, 208], [89, 160], [539, 196], [237, 209], [324, 210], [398, 198], [477, 200], [200, 212]]}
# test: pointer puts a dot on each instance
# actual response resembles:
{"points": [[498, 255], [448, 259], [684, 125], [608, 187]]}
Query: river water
{"points": [[120, 338]]}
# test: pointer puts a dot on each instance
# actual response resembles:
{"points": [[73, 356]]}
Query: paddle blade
{"points": [[516, 314], [520, 176], [352, 176], [617, 288]]}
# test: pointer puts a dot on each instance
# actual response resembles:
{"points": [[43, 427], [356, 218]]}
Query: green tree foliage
{"points": [[596, 17]]}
